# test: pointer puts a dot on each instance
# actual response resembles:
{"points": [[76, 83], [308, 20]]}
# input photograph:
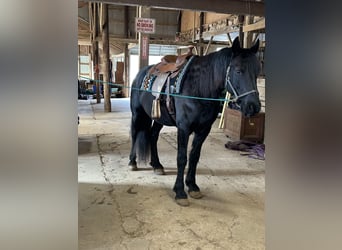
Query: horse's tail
{"points": [[142, 144], [141, 123]]}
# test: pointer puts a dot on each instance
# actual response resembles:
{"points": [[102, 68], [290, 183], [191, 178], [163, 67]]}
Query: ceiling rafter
{"points": [[243, 7]]}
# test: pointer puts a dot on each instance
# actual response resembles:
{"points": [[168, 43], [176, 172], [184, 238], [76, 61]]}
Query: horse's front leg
{"points": [[155, 163], [183, 138], [195, 153]]}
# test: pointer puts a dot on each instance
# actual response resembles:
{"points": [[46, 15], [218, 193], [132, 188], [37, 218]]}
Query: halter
{"points": [[236, 96]]}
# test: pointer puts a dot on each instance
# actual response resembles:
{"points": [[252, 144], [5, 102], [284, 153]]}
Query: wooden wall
{"points": [[188, 20], [210, 17]]}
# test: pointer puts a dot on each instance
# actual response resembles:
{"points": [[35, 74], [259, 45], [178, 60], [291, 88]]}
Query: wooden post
{"points": [[95, 48], [241, 19], [248, 35], [105, 57], [125, 89], [201, 23], [194, 29], [144, 39]]}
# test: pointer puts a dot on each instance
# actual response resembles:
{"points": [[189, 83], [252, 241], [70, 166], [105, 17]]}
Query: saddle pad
{"points": [[158, 84]]}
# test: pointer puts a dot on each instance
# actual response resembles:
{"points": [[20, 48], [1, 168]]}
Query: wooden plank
{"points": [[214, 17], [207, 48], [225, 104], [230, 39], [187, 20], [255, 26], [224, 30], [84, 42], [218, 6]]}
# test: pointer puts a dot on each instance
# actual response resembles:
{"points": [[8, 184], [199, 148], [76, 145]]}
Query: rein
{"points": [[236, 96]]}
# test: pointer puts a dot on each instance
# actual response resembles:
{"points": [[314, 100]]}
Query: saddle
{"points": [[171, 63], [169, 67]]}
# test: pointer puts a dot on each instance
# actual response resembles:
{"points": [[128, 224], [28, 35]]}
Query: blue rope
{"points": [[161, 93]]}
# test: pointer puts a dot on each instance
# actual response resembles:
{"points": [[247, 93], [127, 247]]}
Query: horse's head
{"points": [[241, 78]]}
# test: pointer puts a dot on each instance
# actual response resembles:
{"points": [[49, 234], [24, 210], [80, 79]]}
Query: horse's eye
{"points": [[238, 72]]}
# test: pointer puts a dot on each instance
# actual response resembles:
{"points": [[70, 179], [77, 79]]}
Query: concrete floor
{"points": [[122, 209]]}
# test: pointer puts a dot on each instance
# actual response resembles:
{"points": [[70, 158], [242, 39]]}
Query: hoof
{"points": [[183, 202], [196, 194], [134, 167], [159, 171]]}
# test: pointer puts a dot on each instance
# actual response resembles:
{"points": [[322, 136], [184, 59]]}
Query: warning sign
{"points": [[145, 25]]}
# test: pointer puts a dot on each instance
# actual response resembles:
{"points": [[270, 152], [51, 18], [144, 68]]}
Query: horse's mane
{"points": [[206, 75]]}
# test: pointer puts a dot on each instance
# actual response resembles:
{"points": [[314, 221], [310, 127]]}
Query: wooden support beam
{"points": [[230, 39], [255, 37], [196, 51], [84, 42], [207, 48], [194, 28], [224, 30], [201, 23], [248, 35], [106, 58], [241, 19], [90, 13], [101, 16], [95, 50], [125, 90], [112, 39], [255, 26], [126, 21], [144, 39], [218, 6]]}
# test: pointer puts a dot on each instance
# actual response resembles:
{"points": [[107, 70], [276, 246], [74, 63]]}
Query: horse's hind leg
{"points": [[133, 154], [195, 153], [155, 163], [140, 135]]}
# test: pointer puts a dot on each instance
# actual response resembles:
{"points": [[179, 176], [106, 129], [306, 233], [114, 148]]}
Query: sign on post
{"points": [[145, 25]]}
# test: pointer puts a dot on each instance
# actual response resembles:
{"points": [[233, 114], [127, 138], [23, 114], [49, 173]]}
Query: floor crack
{"points": [[231, 227]]}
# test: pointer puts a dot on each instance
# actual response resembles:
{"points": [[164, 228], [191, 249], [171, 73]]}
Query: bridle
{"points": [[236, 96]]}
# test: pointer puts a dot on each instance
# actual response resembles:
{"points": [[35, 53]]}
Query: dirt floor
{"points": [[124, 209]]}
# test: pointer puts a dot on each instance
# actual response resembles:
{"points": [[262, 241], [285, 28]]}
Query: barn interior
{"points": [[124, 209]]}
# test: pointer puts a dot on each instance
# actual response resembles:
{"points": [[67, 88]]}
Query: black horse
{"points": [[234, 69]]}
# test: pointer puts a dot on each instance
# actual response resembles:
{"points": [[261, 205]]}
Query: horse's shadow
{"points": [[86, 145], [220, 172]]}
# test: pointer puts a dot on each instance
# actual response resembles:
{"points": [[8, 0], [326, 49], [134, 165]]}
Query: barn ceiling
{"points": [[244, 7], [118, 39]]}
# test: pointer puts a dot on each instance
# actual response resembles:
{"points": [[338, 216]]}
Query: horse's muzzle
{"points": [[250, 108]]}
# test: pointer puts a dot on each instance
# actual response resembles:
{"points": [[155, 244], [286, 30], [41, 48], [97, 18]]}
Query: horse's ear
{"points": [[236, 45], [255, 47]]}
